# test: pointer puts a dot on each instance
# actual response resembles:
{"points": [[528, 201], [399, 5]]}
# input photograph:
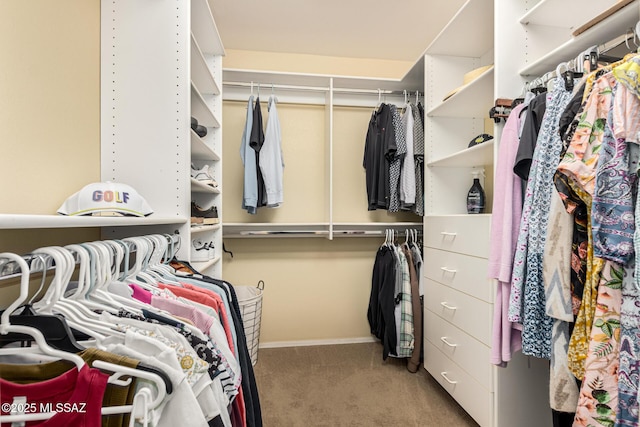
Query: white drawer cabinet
{"points": [[472, 396], [462, 272], [465, 312], [467, 352], [465, 234]]}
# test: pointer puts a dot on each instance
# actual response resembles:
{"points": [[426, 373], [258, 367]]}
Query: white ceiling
{"points": [[391, 29]]}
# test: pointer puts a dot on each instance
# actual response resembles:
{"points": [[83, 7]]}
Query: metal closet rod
{"points": [[318, 88]]}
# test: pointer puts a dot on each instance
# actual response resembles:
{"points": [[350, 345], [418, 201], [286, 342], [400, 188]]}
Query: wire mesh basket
{"points": [[250, 302]]}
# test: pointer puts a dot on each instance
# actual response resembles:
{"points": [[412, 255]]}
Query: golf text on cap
{"points": [[110, 196]]}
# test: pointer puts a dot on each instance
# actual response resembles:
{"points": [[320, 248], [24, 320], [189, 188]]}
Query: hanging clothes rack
{"points": [[9, 269], [321, 89]]}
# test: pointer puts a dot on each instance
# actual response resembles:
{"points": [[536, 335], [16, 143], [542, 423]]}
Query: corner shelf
{"points": [[470, 101], [198, 187], [200, 150], [478, 155], [9, 221]]}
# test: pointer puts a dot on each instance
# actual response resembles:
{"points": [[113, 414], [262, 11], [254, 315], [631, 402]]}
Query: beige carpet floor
{"points": [[349, 385]]}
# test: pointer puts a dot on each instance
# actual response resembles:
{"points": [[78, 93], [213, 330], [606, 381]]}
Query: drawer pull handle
{"points": [[448, 270], [447, 306], [444, 340], [448, 233], [444, 375]]}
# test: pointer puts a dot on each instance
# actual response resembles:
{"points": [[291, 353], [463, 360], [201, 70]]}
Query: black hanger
{"points": [[54, 327], [167, 382]]}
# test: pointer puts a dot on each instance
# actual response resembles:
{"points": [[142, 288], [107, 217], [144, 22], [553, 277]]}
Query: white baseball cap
{"points": [[106, 199]]}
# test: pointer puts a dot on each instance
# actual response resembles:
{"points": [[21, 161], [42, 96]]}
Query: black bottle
{"points": [[475, 196]]}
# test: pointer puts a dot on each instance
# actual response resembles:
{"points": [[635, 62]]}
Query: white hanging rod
{"points": [[283, 87], [315, 88]]}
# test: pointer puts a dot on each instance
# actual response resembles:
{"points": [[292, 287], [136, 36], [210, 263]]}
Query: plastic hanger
{"points": [[6, 326], [94, 296], [44, 348], [78, 316], [54, 328], [143, 402], [141, 407]]}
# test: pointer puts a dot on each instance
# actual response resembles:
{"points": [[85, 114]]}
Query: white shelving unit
{"points": [[460, 303], [152, 83], [451, 124], [206, 107]]}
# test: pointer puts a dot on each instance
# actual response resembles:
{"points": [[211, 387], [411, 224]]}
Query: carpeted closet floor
{"points": [[349, 385]]}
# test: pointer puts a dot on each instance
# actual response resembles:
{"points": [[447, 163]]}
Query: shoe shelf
{"points": [[204, 228], [470, 101], [203, 265], [201, 77], [9, 221], [198, 187], [200, 150], [481, 154], [201, 111], [604, 31]]}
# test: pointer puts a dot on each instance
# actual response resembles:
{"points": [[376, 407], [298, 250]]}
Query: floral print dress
{"points": [[578, 166]]}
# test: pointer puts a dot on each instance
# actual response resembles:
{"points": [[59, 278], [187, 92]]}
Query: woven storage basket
{"points": [[250, 302]]}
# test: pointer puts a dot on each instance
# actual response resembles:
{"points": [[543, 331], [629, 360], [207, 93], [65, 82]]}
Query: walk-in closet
{"points": [[286, 213]]}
